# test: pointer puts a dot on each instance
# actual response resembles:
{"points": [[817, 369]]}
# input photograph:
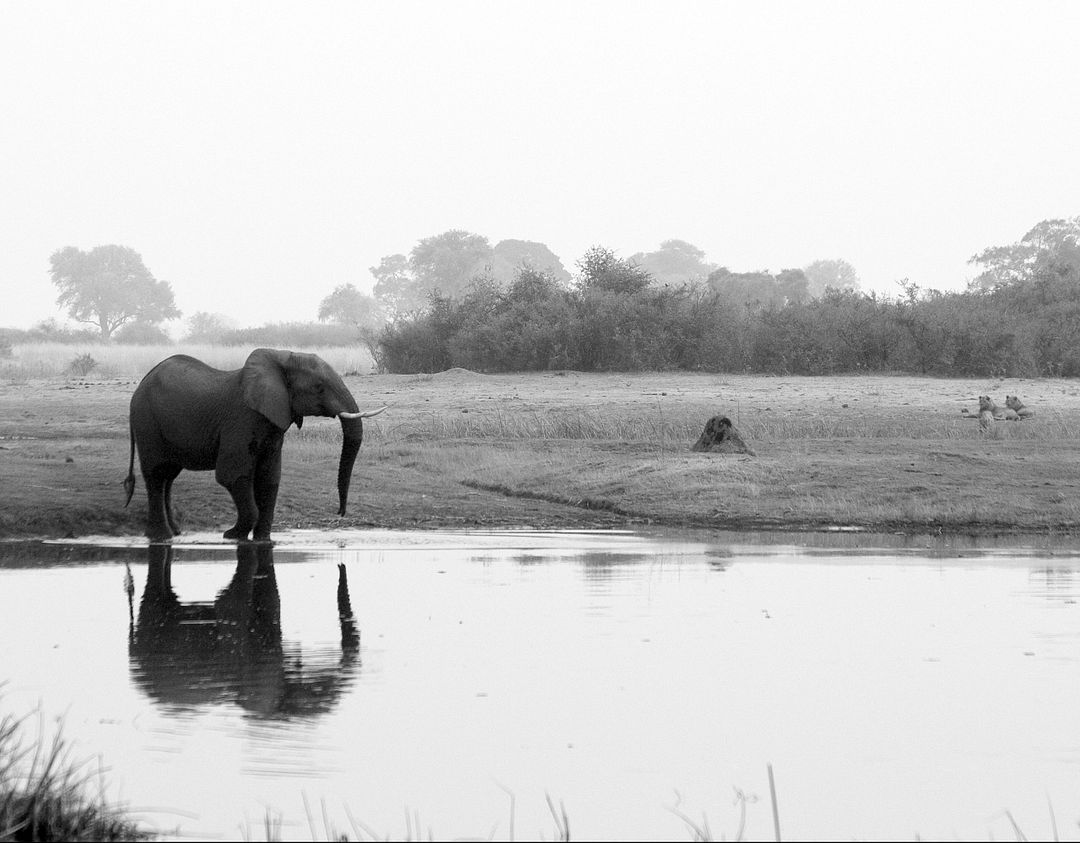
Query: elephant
{"points": [[187, 415], [185, 656]]}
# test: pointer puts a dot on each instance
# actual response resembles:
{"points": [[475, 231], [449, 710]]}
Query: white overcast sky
{"points": [[257, 154]]}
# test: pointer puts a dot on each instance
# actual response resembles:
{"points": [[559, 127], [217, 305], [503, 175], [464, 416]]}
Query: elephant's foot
{"points": [[159, 536], [237, 533]]}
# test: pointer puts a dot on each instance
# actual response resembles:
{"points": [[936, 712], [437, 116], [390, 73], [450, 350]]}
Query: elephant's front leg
{"points": [[267, 480], [243, 496]]}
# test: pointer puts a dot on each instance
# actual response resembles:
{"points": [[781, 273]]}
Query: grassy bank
{"points": [[577, 450]]}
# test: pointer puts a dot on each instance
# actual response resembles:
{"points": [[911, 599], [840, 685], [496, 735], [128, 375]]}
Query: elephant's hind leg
{"points": [[170, 514], [158, 480]]}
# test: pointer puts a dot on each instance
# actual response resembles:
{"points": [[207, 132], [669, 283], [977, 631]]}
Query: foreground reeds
{"points": [[45, 795]]}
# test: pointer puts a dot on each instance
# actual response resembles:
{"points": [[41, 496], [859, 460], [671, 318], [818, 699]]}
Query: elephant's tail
{"points": [[129, 482]]}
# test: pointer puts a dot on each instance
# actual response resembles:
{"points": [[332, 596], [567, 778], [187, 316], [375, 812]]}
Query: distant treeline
{"points": [[279, 335], [1023, 329], [730, 323], [457, 301]]}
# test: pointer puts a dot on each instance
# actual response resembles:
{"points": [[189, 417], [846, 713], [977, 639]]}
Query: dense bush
{"points": [[82, 365], [49, 330], [612, 321], [142, 333], [291, 335]]}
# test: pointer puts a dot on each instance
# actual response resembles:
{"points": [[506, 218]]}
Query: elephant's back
{"points": [[184, 366], [180, 407], [186, 377]]}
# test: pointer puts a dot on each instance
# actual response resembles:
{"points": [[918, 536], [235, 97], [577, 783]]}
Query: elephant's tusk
{"points": [[361, 415]]}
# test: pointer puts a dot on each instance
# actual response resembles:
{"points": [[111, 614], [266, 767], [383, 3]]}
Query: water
{"points": [[451, 684]]}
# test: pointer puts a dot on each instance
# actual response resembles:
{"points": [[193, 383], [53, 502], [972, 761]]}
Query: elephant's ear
{"points": [[263, 383]]}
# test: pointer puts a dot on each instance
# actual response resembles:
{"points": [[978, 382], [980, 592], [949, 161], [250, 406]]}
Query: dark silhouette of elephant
{"points": [[187, 415], [188, 655]]}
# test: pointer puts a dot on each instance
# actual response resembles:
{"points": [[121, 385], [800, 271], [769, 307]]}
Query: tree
{"points": [[346, 305], [208, 327], [447, 262], [601, 269], [1051, 247], [509, 257], [752, 290], [396, 288], [793, 285], [448, 265], [109, 286], [835, 273], [675, 261], [533, 285], [141, 333]]}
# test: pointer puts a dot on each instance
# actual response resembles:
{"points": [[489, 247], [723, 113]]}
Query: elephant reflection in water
{"points": [[187, 655]]}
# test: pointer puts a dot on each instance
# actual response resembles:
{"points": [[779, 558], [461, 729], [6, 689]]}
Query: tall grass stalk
{"points": [[44, 795], [775, 809]]}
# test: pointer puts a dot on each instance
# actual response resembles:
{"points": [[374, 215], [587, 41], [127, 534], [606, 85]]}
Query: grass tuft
{"points": [[45, 795]]}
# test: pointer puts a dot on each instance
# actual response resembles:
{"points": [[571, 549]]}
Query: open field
{"points": [[34, 361], [568, 449]]}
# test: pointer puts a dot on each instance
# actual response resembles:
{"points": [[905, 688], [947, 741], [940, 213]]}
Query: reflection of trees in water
{"points": [[1058, 583], [719, 558], [194, 654], [601, 567], [596, 564]]}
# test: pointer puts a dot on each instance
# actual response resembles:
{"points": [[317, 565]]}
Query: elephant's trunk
{"points": [[352, 434]]}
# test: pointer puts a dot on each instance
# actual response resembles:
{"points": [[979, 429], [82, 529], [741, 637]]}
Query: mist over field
{"points": [[259, 157], [458, 302]]}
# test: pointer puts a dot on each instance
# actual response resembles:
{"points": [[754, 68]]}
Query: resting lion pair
{"points": [[1014, 410]]}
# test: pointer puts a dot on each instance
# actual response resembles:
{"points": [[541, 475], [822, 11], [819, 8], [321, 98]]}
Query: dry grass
{"points": [[885, 453], [571, 449], [56, 360]]}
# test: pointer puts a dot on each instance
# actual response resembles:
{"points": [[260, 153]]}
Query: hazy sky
{"points": [[258, 154]]}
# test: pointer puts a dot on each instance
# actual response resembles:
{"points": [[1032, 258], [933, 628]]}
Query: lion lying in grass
{"points": [[986, 404], [1014, 403], [990, 412]]}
